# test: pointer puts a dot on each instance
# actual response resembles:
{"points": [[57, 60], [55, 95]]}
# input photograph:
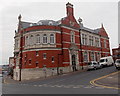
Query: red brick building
{"points": [[47, 47], [116, 53]]}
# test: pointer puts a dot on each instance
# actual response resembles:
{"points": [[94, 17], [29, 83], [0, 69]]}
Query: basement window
{"points": [[44, 56], [30, 61], [37, 54], [52, 58], [37, 64]]}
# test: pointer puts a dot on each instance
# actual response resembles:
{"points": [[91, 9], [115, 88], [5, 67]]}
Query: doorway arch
{"points": [[73, 57]]}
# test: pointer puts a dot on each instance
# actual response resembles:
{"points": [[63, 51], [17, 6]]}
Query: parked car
{"points": [[117, 64], [93, 65], [106, 61]]}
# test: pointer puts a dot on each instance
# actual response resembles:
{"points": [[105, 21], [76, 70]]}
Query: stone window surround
{"points": [[44, 39], [92, 55], [52, 36], [89, 39], [41, 38], [85, 55], [72, 37]]}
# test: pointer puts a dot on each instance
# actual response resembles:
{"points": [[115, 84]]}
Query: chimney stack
{"points": [[69, 8]]}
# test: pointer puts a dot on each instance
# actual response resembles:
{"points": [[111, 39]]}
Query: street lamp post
{"points": [[80, 20]]}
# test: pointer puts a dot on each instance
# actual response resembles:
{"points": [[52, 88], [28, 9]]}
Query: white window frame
{"points": [[52, 38], [31, 39], [45, 38], [92, 40], [72, 37], [38, 39], [85, 56]]}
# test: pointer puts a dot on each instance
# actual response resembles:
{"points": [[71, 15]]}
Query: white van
{"points": [[106, 61]]}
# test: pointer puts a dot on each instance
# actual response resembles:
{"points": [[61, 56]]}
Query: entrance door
{"points": [[74, 63]]}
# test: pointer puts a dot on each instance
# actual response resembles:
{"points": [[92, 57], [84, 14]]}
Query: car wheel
{"points": [[102, 66], [95, 68]]}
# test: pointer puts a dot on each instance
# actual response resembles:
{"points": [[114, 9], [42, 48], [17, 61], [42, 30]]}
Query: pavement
{"points": [[108, 81], [9, 80], [71, 83]]}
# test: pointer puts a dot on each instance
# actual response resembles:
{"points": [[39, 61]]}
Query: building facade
{"points": [[116, 53], [51, 47]]}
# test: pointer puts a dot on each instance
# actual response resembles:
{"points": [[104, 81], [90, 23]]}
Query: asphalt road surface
{"points": [[78, 83]]}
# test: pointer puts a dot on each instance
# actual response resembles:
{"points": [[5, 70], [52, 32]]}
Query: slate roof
{"points": [[26, 24], [90, 30], [48, 22], [54, 23], [41, 22]]}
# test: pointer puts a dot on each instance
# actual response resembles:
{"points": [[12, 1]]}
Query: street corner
{"points": [[107, 81], [9, 80]]}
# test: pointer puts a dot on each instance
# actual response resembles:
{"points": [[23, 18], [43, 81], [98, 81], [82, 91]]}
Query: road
{"points": [[77, 83]]}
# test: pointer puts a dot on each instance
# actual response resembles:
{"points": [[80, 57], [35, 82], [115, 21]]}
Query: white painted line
{"points": [[35, 85], [76, 87], [59, 86], [40, 85], [66, 86], [52, 86]]}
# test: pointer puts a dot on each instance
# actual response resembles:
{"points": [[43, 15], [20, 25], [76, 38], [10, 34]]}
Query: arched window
{"points": [[52, 38], [44, 38], [38, 39], [31, 40]]}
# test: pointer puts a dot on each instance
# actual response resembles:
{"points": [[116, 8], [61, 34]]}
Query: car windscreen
{"points": [[89, 63], [102, 60], [118, 61], [94, 63]]}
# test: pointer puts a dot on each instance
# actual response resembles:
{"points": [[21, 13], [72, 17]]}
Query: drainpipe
{"points": [[58, 73], [21, 46], [101, 45]]}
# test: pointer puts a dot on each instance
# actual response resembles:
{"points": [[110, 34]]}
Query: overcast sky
{"points": [[92, 13]]}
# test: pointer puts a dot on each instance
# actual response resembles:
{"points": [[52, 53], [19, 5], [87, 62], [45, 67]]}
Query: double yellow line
{"points": [[93, 81]]}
